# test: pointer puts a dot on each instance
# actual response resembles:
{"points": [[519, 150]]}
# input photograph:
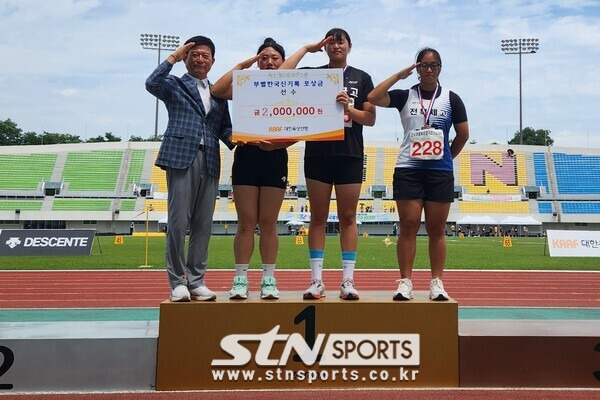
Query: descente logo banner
{"points": [[334, 349], [46, 242]]}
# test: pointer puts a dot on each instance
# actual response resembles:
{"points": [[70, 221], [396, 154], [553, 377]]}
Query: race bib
{"points": [[426, 144], [347, 119]]}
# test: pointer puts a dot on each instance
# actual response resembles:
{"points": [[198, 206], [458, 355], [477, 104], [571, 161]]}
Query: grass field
{"points": [[463, 253]]}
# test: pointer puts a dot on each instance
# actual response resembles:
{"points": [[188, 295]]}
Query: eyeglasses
{"points": [[433, 66]]}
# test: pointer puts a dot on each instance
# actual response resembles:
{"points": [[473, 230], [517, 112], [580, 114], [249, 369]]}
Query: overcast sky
{"points": [[76, 66]]}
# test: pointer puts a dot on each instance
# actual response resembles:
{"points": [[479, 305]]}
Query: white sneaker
{"points": [[180, 293], [405, 290], [315, 291], [347, 290], [436, 290], [202, 293]]}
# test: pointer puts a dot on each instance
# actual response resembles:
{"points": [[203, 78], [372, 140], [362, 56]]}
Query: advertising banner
{"points": [[46, 242], [574, 243], [295, 344]]}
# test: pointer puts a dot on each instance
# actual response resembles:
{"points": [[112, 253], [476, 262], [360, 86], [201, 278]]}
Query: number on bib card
{"points": [[427, 144]]}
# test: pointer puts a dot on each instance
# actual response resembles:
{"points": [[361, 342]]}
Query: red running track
{"points": [[148, 288]]}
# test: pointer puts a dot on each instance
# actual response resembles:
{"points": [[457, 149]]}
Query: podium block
{"points": [[295, 343]]}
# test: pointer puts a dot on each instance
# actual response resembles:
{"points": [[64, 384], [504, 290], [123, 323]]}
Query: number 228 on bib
{"points": [[426, 144]]}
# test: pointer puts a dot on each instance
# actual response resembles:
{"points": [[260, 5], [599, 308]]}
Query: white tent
{"points": [[477, 220], [528, 220], [295, 222]]}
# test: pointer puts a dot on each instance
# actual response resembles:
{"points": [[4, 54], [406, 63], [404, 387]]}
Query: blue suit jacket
{"points": [[188, 122]]}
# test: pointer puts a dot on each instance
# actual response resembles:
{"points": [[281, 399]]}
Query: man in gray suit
{"points": [[190, 155]]}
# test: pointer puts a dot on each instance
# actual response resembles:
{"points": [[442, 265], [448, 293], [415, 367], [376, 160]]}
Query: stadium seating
{"points": [[293, 165], [493, 171], [128, 205], [388, 204], [136, 166], [541, 171], [99, 177], [369, 166], [158, 177], [389, 163], [494, 207], [93, 170], [545, 208], [289, 205], [231, 206], [577, 173], [20, 205], [582, 207], [25, 171], [157, 205], [81, 205]]}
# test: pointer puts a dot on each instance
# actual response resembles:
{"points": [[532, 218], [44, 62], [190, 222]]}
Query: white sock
{"points": [[348, 262], [348, 271], [316, 268], [268, 270], [241, 270], [316, 258]]}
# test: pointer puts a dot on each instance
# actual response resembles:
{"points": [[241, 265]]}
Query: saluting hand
{"points": [[181, 53], [248, 63], [316, 47], [406, 72]]}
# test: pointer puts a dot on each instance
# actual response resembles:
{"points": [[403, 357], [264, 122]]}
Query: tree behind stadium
{"points": [[533, 137]]}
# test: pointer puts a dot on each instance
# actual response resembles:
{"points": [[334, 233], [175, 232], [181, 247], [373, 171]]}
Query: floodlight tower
{"points": [[520, 46], [158, 42]]}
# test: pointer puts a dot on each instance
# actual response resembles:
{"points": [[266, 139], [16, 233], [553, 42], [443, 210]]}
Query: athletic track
{"points": [[148, 288]]}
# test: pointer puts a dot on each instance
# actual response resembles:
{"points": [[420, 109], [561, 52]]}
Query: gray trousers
{"points": [[192, 195]]}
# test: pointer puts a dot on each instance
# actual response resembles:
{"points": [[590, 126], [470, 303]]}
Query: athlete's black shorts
{"points": [[425, 184], [255, 167], [335, 170]]}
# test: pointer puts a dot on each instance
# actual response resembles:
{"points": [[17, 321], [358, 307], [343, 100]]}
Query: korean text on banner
{"points": [[574, 243], [278, 105]]}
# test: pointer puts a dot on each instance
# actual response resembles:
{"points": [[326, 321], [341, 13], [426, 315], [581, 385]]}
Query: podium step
{"points": [[296, 343]]}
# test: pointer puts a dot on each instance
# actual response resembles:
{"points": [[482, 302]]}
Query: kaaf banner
{"points": [[46, 242], [574, 243]]}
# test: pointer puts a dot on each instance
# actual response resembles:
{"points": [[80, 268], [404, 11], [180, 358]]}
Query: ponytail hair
{"points": [[270, 42]]}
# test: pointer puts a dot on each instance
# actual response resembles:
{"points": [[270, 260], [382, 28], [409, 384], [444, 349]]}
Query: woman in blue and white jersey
{"points": [[423, 177]]}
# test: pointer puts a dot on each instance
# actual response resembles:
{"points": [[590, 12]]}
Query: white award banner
{"points": [[295, 104], [574, 243]]}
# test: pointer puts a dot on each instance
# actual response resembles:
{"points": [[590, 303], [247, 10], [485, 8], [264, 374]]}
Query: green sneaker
{"points": [[268, 288], [240, 288]]}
